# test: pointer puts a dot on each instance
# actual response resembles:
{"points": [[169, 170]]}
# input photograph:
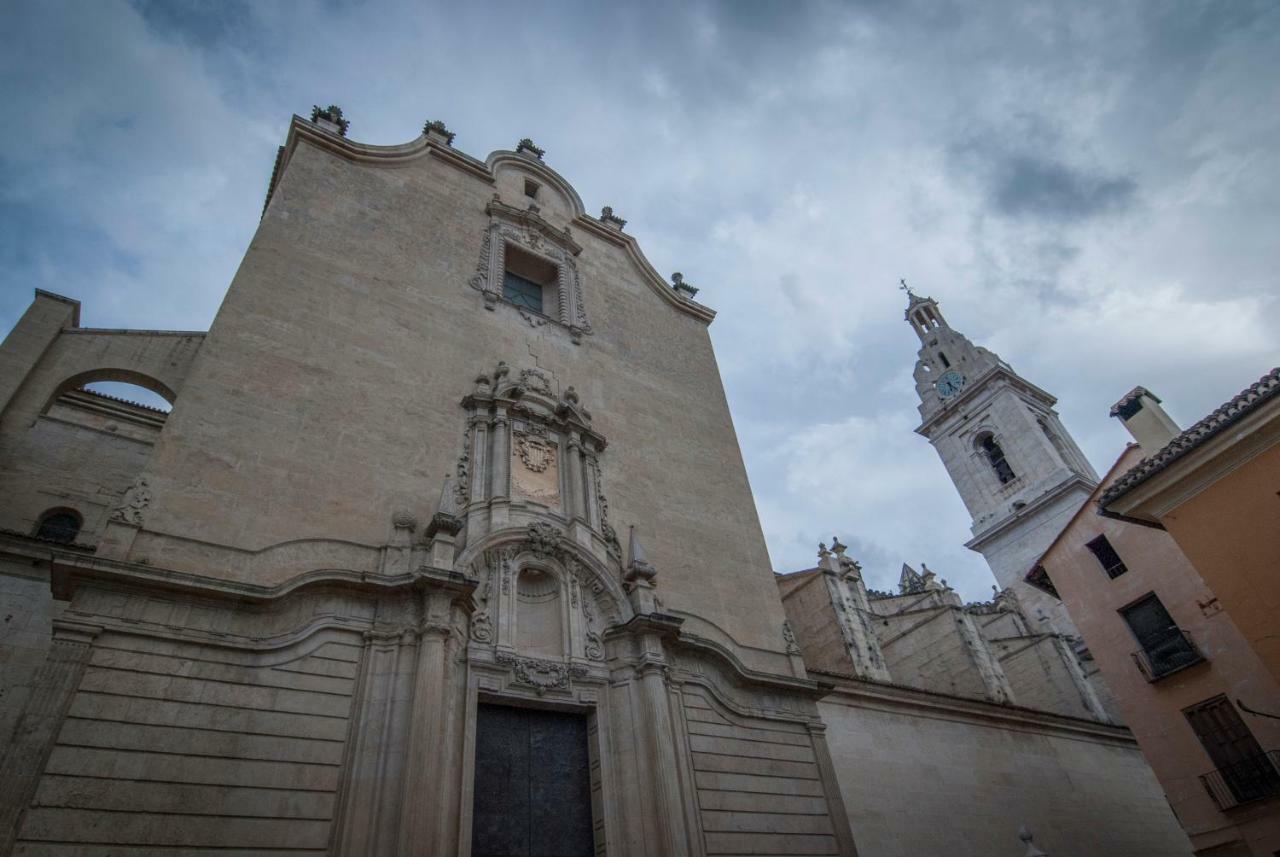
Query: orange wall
{"points": [[1153, 710], [1231, 533]]}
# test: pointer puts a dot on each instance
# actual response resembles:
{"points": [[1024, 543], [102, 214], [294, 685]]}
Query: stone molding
{"points": [[303, 131]]}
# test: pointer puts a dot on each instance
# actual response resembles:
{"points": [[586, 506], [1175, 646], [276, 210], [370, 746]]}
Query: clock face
{"points": [[949, 384]]}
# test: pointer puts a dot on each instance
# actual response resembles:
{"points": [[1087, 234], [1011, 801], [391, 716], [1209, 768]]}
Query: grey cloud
{"points": [[793, 160], [1020, 184]]}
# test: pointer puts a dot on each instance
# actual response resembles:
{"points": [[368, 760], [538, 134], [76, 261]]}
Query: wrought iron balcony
{"points": [[1168, 654], [1248, 780]]}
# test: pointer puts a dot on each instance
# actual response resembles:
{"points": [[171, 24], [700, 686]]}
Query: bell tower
{"points": [[1018, 471]]}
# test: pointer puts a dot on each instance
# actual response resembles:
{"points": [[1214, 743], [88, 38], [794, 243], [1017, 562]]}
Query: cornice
{"points": [[894, 697], [302, 130], [980, 540], [70, 568], [979, 385]]}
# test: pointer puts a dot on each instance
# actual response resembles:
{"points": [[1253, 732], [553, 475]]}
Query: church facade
{"points": [[446, 547]]}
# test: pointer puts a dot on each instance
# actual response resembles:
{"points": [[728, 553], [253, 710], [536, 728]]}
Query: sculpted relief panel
{"points": [[535, 465]]}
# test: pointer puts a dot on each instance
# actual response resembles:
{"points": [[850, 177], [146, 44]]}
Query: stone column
{"points": [[25, 757], [575, 506], [479, 459], [501, 470], [592, 476]]}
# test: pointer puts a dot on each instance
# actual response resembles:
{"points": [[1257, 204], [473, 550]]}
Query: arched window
{"points": [[995, 457], [59, 525]]}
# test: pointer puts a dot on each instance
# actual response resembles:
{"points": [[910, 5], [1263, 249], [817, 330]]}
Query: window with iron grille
{"points": [[522, 292], [1243, 772], [1165, 648], [1107, 557]]}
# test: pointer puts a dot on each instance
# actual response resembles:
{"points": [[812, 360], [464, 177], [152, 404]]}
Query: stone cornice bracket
{"points": [[330, 119], [526, 147], [611, 220], [435, 130]]}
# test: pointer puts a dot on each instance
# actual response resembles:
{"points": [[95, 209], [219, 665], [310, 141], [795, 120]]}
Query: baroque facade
{"points": [[446, 547]]}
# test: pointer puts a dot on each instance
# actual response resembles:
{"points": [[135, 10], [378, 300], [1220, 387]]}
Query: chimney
{"points": [[1142, 415]]}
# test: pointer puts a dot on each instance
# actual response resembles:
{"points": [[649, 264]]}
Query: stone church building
{"points": [[447, 547]]}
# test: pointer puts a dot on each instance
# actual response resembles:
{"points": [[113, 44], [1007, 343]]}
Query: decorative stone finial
{"points": [[837, 548], [681, 287], [526, 145], [436, 129], [823, 553], [330, 119], [910, 582], [610, 219], [446, 519], [638, 567]]}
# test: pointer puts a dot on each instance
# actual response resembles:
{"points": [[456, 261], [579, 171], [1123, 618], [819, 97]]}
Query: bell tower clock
{"points": [[1018, 471]]}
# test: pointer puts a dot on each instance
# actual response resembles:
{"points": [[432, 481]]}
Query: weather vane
{"points": [[904, 287]]}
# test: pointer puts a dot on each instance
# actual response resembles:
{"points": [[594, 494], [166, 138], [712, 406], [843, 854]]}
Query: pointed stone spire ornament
{"points": [[910, 583], [837, 548], [446, 519], [638, 576]]}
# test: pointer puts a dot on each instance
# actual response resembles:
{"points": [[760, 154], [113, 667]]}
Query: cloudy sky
{"points": [[1091, 190]]}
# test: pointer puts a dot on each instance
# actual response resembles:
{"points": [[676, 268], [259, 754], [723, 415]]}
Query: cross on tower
{"points": [[904, 287]]}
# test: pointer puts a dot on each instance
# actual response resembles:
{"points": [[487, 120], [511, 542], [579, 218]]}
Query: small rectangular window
{"points": [[531, 188], [1165, 647], [1107, 557]]}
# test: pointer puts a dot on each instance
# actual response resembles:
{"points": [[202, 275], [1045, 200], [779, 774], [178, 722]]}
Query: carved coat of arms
{"points": [[535, 452]]}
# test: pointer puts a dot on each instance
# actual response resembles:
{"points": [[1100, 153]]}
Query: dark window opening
{"points": [[995, 456], [1107, 557], [522, 292], [945, 361], [531, 188], [61, 526], [1243, 771], [1166, 648], [1039, 578], [529, 281]]}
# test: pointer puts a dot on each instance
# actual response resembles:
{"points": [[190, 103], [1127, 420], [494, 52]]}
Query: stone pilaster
{"points": [[366, 820], [425, 828], [25, 757]]}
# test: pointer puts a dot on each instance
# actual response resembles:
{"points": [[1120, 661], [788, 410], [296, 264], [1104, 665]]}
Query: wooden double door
{"points": [[532, 784]]}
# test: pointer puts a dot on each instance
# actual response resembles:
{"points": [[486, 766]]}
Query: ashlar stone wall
{"points": [[922, 775]]}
